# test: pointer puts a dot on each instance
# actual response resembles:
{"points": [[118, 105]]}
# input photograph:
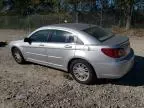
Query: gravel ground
{"points": [[35, 86]]}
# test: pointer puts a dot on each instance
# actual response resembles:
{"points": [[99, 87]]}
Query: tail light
{"points": [[114, 52]]}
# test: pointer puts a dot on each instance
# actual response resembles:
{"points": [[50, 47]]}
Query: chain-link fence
{"points": [[105, 19], [32, 21]]}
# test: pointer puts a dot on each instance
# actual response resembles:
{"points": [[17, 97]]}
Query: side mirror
{"points": [[27, 40]]}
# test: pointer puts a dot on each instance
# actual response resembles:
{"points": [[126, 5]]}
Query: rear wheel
{"points": [[18, 56], [82, 71]]}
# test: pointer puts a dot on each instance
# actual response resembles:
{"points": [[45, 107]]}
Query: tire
{"points": [[17, 55], [82, 71]]}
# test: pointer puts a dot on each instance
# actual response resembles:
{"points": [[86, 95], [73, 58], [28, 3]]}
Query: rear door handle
{"points": [[68, 46], [41, 45]]}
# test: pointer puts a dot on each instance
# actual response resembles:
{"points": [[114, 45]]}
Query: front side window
{"points": [[40, 36], [59, 36]]}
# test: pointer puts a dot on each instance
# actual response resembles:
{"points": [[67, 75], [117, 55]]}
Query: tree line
{"points": [[124, 7]]}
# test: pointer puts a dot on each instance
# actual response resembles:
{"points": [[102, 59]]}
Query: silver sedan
{"points": [[86, 51]]}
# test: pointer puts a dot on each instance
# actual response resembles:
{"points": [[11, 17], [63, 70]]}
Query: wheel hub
{"points": [[81, 72], [17, 56]]}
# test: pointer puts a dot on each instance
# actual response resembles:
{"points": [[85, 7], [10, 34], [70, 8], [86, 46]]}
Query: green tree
{"points": [[22, 5], [55, 4], [1, 4], [126, 6], [75, 4]]}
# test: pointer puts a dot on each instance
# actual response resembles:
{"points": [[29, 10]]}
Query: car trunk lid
{"points": [[119, 42], [116, 40]]}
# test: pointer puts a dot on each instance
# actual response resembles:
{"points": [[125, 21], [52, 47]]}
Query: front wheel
{"points": [[18, 56], [82, 71]]}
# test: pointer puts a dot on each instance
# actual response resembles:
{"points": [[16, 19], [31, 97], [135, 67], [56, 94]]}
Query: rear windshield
{"points": [[99, 33]]}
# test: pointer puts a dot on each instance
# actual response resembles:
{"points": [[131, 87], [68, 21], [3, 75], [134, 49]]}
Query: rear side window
{"points": [[59, 36], [98, 33], [40, 36]]}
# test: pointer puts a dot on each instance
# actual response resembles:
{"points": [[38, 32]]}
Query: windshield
{"points": [[99, 33]]}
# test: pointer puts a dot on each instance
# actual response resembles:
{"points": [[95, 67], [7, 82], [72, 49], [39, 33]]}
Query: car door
{"points": [[35, 51], [60, 48]]}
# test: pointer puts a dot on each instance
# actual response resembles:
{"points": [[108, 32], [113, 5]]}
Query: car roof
{"points": [[75, 26]]}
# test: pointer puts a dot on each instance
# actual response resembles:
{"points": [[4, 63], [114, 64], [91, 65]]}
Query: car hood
{"points": [[116, 40]]}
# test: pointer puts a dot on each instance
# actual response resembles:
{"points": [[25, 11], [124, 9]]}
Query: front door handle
{"points": [[68, 46]]}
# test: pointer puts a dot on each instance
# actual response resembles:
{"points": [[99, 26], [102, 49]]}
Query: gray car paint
{"points": [[58, 55]]}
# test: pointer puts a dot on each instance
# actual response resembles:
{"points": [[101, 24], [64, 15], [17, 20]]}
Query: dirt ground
{"points": [[35, 86]]}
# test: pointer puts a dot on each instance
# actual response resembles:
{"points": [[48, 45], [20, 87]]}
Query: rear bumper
{"points": [[116, 69]]}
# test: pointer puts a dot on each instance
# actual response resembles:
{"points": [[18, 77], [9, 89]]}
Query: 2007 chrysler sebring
{"points": [[86, 51]]}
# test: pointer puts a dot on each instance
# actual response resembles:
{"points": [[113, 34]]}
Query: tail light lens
{"points": [[114, 52]]}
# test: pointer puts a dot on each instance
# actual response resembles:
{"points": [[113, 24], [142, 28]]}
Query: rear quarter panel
{"points": [[93, 55]]}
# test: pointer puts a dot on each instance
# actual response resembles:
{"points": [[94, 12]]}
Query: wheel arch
{"points": [[77, 58], [13, 47], [18, 49]]}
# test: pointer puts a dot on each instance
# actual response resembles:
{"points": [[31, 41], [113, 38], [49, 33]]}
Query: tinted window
{"points": [[61, 37], [40, 36], [99, 33]]}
